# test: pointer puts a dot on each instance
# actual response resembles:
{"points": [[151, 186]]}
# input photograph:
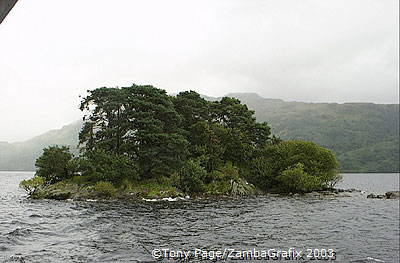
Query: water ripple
{"points": [[360, 230]]}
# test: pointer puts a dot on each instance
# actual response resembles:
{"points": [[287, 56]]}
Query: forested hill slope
{"points": [[364, 136]]}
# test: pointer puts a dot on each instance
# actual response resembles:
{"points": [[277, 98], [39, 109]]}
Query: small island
{"points": [[138, 142]]}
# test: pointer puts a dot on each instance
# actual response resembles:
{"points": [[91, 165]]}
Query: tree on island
{"points": [[140, 135]]}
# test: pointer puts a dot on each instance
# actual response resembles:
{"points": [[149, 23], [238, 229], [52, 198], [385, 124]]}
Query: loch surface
{"points": [[357, 228]]}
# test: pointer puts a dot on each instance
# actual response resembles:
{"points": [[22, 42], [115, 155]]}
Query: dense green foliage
{"points": [[112, 167], [191, 177], [139, 135], [162, 134], [295, 179], [105, 189], [140, 122], [364, 136], [277, 162], [55, 164]]}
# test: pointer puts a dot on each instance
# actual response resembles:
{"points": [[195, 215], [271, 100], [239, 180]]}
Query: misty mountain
{"points": [[21, 156], [364, 136]]}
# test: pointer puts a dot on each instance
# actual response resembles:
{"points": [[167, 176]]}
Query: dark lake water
{"points": [[357, 228]]}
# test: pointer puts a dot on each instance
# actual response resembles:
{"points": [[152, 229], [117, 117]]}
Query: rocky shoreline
{"points": [[88, 193], [66, 190]]}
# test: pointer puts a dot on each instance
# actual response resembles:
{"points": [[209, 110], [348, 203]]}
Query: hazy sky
{"points": [[52, 51]]}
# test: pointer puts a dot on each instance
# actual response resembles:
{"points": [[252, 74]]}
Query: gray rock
{"points": [[388, 195], [392, 195], [241, 187]]}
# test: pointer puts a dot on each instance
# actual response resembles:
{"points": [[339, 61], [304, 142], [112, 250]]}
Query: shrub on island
{"points": [[105, 189], [294, 166], [32, 185], [55, 164]]}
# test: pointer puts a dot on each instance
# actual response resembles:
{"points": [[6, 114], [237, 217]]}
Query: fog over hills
{"points": [[21, 156], [364, 136]]}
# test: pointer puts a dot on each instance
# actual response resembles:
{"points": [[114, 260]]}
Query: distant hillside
{"points": [[21, 156], [364, 136]]}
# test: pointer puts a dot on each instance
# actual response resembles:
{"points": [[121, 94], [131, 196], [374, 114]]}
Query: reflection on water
{"points": [[359, 229]]}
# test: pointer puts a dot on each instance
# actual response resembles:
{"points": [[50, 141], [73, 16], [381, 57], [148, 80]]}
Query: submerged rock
{"points": [[392, 195], [387, 195], [376, 196], [329, 193], [351, 190]]}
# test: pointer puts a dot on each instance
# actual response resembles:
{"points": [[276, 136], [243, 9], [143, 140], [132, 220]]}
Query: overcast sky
{"points": [[52, 51]]}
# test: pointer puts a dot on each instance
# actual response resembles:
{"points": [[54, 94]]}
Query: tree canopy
{"points": [[140, 133]]}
